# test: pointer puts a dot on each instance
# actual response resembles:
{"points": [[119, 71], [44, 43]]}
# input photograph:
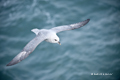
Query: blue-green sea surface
{"points": [[88, 53]]}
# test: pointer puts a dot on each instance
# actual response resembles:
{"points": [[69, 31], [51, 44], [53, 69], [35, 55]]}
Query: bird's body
{"points": [[41, 35]]}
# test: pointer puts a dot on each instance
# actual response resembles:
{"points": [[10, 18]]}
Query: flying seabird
{"points": [[48, 35]]}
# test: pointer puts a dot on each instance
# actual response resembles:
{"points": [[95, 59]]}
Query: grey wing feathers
{"points": [[70, 27], [27, 50]]}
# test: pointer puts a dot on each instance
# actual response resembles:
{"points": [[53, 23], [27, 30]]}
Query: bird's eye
{"points": [[55, 39]]}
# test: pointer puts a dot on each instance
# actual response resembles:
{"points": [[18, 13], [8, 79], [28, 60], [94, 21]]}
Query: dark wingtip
{"points": [[9, 64], [88, 20], [85, 22], [12, 63]]}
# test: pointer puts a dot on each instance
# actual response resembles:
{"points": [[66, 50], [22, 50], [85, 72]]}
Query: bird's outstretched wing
{"points": [[70, 27], [29, 48]]}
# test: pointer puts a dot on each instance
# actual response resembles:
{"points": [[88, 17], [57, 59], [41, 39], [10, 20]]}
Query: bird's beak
{"points": [[59, 43]]}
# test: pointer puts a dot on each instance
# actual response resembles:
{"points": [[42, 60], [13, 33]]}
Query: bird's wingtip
{"points": [[8, 64], [88, 19]]}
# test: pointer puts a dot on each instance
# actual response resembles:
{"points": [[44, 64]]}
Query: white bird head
{"points": [[53, 39], [56, 40]]}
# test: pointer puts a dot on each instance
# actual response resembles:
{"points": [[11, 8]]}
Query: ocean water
{"points": [[87, 53]]}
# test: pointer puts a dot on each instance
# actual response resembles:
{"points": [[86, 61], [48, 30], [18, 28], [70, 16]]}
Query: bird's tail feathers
{"points": [[36, 31]]}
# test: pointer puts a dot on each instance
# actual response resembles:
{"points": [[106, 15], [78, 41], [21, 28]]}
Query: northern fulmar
{"points": [[48, 35]]}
